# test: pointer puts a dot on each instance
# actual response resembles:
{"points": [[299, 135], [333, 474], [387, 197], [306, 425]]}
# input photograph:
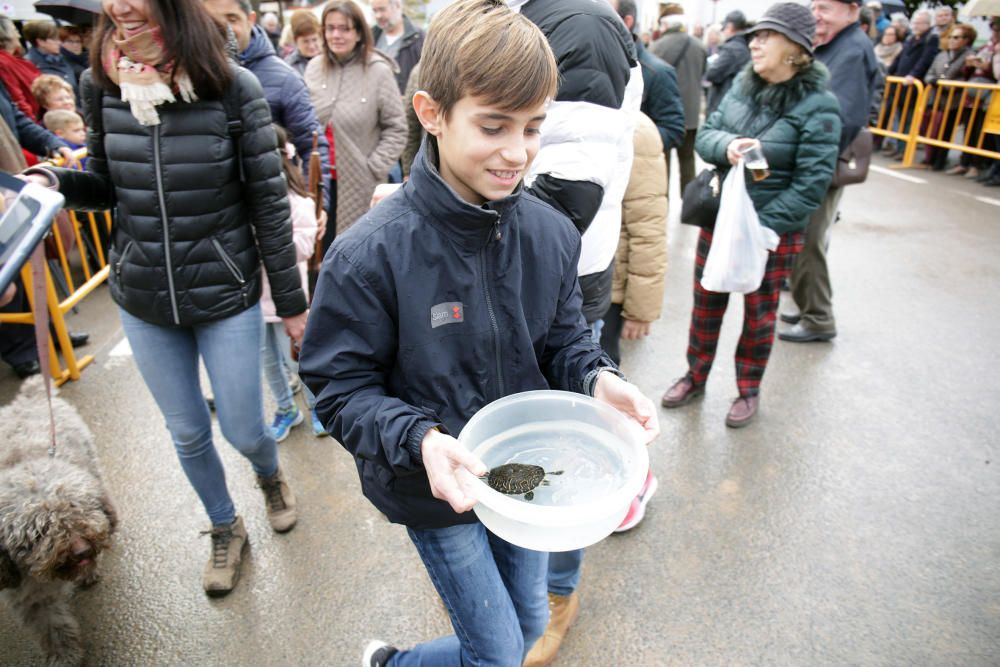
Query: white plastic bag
{"points": [[738, 256]]}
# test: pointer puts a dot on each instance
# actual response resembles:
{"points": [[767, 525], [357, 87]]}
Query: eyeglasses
{"points": [[761, 36], [342, 29], [956, 36]]}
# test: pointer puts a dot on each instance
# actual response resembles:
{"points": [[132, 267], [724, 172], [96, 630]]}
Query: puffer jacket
{"points": [[189, 237], [800, 121], [641, 261]]}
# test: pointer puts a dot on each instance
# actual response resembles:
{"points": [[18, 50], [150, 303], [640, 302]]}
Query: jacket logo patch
{"points": [[449, 312]]}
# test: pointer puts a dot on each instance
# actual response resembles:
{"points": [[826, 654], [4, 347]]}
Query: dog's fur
{"points": [[55, 518]]}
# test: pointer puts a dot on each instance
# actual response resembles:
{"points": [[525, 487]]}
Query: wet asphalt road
{"points": [[854, 523]]}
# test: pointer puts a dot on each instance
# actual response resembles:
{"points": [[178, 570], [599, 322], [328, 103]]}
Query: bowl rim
{"points": [[547, 515]]}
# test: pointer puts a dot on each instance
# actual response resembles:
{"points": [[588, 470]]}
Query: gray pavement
{"points": [[854, 523]]}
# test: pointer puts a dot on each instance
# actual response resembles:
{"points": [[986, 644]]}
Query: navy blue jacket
{"points": [[28, 133], [288, 97], [55, 64], [427, 309], [661, 98], [916, 57], [733, 56], [854, 77]]}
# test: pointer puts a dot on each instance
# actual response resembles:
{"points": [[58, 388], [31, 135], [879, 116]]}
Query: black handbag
{"points": [[853, 163], [700, 200]]}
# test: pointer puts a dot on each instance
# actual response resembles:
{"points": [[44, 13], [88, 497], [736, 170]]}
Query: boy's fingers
{"points": [[469, 461]]}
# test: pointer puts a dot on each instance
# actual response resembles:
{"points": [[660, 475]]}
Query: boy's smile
{"points": [[484, 151]]}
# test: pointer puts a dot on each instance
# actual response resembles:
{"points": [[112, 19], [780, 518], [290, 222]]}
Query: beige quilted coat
{"points": [[641, 261], [369, 128]]}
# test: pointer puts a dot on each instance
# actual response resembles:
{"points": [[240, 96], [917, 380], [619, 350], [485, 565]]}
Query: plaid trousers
{"points": [[760, 310]]}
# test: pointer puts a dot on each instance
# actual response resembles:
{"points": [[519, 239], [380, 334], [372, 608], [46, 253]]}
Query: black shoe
{"points": [[790, 318], [27, 369], [78, 339], [800, 334], [377, 654]]}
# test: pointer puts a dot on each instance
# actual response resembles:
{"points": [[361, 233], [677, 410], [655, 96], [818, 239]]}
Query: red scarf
{"points": [[17, 75]]}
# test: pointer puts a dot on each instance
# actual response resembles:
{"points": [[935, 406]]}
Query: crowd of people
{"points": [[531, 141]]}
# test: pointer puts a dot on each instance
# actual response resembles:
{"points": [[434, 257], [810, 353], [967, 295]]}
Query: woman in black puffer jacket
{"points": [[181, 144], [781, 101]]}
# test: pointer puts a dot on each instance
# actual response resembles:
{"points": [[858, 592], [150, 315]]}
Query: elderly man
{"points": [[848, 53], [286, 93], [733, 56], [944, 21], [396, 36]]}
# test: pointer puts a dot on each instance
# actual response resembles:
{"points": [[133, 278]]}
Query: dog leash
{"points": [[42, 333]]}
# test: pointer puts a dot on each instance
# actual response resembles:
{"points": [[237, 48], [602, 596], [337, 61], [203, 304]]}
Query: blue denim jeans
{"points": [[277, 357], [494, 592], [564, 571], [167, 358]]}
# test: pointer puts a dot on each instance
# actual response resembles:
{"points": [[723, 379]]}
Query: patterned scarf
{"points": [[136, 64]]}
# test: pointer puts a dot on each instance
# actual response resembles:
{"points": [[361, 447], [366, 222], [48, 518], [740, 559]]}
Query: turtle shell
{"points": [[515, 478]]}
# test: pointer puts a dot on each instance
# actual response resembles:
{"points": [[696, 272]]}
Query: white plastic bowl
{"points": [[556, 527]]}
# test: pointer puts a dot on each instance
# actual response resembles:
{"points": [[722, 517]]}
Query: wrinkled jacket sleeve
{"points": [[347, 355], [391, 123], [266, 196], [815, 161], [927, 56], [300, 121], [665, 107]]}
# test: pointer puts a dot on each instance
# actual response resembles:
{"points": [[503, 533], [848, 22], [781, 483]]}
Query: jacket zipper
{"points": [[233, 269], [163, 218], [121, 260], [489, 309]]}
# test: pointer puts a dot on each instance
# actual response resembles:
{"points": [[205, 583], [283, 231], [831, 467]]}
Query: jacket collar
{"points": [[259, 47], [470, 226], [843, 34]]}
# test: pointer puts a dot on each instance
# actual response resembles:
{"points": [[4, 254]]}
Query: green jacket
{"points": [[801, 146]]}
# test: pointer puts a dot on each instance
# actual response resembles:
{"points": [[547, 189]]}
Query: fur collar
{"points": [[784, 95]]}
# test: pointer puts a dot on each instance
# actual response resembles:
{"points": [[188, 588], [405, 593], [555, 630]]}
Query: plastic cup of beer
{"points": [[753, 158]]}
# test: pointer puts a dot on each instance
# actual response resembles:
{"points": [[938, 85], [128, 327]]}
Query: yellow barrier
{"points": [[95, 271], [956, 101]]}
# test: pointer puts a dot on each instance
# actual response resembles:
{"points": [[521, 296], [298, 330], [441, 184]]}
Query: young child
{"points": [[68, 126], [275, 346], [52, 92], [453, 292]]}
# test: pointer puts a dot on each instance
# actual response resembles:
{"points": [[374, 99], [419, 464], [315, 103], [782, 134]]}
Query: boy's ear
{"points": [[428, 112]]}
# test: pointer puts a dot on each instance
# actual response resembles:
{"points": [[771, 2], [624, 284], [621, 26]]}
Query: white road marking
{"points": [[122, 349], [896, 174], [988, 200]]}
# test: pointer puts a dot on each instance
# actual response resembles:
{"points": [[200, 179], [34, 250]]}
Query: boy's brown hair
{"points": [[33, 31], [482, 48], [59, 119], [304, 23], [47, 84]]}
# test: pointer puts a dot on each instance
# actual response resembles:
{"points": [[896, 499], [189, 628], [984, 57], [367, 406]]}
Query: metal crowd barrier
{"points": [[974, 106], [87, 254]]}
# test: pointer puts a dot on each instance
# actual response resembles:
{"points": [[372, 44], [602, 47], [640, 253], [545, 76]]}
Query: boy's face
{"points": [[60, 99], [485, 151], [74, 132]]}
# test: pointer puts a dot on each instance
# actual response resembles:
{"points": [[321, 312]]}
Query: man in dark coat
{"points": [[286, 93], [397, 37], [733, 55], [848, 53]]}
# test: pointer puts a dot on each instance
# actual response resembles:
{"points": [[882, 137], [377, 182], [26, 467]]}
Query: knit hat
{"points": [[790, 19]]}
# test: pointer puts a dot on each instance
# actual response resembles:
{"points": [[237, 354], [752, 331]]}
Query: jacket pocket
{"points": [[121, 260], [233, 269]]}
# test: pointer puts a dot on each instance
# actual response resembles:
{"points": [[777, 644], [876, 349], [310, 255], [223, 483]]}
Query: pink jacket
{"points": [[304, 236]]}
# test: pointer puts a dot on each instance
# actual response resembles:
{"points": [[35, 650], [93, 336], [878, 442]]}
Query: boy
{"points": [[68, 126], [455, 291]]}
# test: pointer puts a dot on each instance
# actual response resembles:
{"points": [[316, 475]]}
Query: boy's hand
{"points": [[443, 458], [626, 398], [321, 225], [634, 329]]}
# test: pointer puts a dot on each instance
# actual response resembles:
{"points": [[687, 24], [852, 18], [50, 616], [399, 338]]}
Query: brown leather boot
{"points": [[223, 568], [681, 393], [563, 610], [282, 512], [743, 411]]}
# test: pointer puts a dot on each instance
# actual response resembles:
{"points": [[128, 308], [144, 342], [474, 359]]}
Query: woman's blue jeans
{"points": [[494, 592], [276, 355], [167, 358]]}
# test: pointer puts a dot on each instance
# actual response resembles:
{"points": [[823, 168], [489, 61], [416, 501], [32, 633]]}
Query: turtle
{"points": [[517, 478]]}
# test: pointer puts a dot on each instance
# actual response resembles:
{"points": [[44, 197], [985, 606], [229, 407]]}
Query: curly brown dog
{"points": [[55, 518]]}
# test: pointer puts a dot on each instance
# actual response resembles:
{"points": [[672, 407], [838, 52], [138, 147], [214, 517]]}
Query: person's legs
{"points": [[494, 593], [17, 341], [564, 571], [810, 281], [685, 155], [274, 366], [706, 318], [611, 333], [167, 358]]}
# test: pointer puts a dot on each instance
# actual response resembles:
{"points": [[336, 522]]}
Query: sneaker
{"points": [[223, 568], [637, 510], [318, 429], [563, 610], [284, 422], [377, 654], [280, 501]]}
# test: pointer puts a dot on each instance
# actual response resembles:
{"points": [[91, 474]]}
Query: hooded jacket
{"points": [[798, 124], [189, 237], [428, 309]]}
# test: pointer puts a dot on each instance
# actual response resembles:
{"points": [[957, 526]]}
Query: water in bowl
{"points": [[589, 457]]}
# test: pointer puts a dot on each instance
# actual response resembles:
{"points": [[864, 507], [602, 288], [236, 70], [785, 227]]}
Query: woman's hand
{"points": [[443, 457], [634, 329], [321, 225], [737, 147], [295, 327], [626, 398]]}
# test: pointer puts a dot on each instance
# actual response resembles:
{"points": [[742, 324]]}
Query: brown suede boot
{"points": [[563, 610], [223, 568], [281, 505]]}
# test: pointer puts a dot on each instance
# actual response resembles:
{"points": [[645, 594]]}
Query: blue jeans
{"points": [[494, 592], [564, 571], [167, 358], [277, 357]]}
